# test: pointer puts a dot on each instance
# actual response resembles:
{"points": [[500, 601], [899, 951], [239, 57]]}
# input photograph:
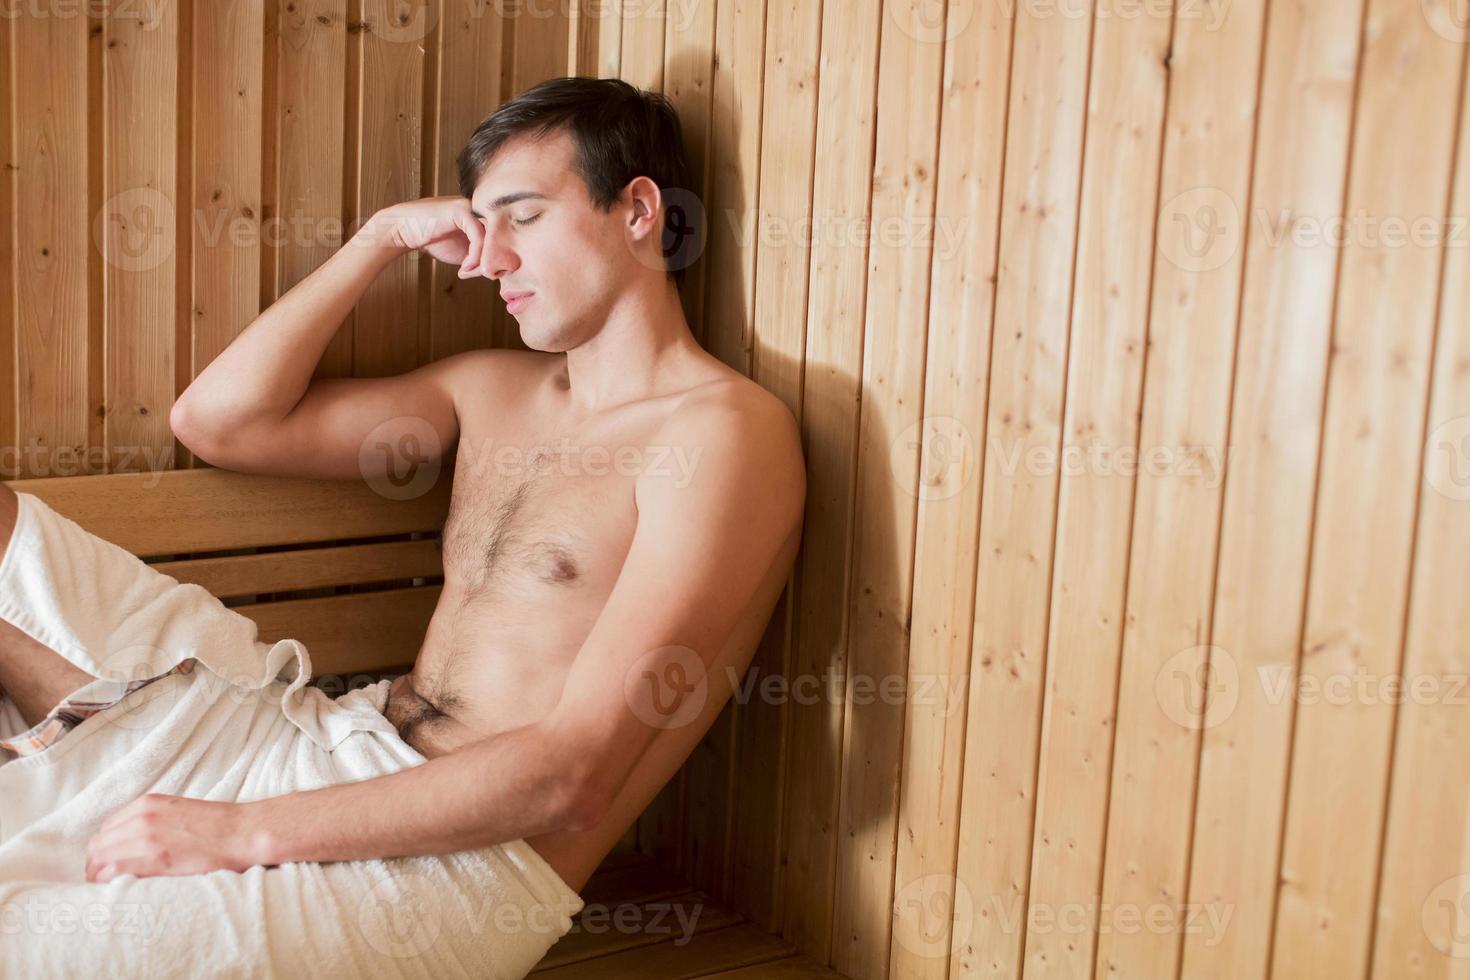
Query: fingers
{"points": [[475, 234]]}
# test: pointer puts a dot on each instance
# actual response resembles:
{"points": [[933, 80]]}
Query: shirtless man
{"points": [[558, 686]]}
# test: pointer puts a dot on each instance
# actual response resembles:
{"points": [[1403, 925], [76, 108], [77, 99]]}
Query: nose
{"points": [[496, 260]]}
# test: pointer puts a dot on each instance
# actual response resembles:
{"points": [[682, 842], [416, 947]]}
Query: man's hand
{"points": [[444, 227], [158, 834]]}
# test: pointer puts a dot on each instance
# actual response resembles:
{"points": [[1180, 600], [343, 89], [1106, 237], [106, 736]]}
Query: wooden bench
{"points": [[354, 576]]}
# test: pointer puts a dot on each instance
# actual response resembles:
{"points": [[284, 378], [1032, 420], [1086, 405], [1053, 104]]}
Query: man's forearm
{"points": [[503, 788], [264, 372]]}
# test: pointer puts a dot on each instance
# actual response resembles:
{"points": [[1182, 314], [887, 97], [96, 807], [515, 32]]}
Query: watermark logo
{"points": [[401, 21], [1447, 458], [930, 910], [1198, 687], [1199, 229], [134, 230], [400, 916], [1450, 19], [932, 21], [667, 687], [1445, 916], [401, 458], [947, 458]]}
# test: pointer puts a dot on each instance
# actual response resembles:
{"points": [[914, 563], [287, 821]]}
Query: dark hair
{"points": [[620, 133]]}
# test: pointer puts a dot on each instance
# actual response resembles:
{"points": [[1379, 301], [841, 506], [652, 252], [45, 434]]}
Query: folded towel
{"points": [[241, 726]]}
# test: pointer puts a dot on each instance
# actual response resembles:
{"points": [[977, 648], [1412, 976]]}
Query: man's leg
{"points": [[33, 675]]}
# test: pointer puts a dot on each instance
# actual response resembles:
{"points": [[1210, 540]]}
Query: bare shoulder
{"points": [[495, 372], [751, 438]]}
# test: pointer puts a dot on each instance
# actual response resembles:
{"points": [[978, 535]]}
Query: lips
{"points": [[515, 302]]}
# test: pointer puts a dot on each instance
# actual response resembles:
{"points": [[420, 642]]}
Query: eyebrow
{"points": [[508, 199]]}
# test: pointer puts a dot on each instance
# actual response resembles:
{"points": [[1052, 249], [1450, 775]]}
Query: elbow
{"points": [[584, 808]]}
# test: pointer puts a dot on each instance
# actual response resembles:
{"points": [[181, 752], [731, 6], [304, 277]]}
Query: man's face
{"points": [[547, 238]]}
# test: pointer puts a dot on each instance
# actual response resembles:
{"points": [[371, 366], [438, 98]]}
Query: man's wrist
{"points": [[257, 839], [379, 233]]}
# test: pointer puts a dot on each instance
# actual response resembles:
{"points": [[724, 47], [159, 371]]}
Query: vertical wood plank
{"points": [[1425, 872], [643, 43], [1285, 326], [1362, 541], [1184, 436], [465, 314], [1109, 319], [689, 40], [311, 80], [735, 156], [140, 247], [226, 198], [788, 155], [391, 41], [950, 439], [52, 246], [895, 319], [831, 393], [9, 170]]}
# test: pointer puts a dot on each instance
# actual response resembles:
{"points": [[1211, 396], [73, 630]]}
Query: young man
{"points": [[625, 510]]}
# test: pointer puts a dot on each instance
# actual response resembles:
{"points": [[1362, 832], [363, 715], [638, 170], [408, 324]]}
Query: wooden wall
{"points": [[1065, 694]]}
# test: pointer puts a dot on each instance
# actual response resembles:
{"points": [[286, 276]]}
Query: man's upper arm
{"points": [[354, 428], [711, 524]]}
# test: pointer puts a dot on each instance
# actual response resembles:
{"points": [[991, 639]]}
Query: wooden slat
{"points": [[1285, 328], [226, 167], [709, 952], [1038, 231], [311, 60], [351, 634], [689, 39], [286, 571], [391, 52], [895, 320], [1362, 543], [1193, 316], [831, 394], [140, 58], [541, 43], [791, 968], [214, 510], [1420, 917], [735, 151], [52, 248], [465, 313], [1109, 318], [9, 436], [634, 882], [642, 63], [788, 154]]}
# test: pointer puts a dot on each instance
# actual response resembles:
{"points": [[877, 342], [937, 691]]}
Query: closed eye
{"points": [[522, 222]]}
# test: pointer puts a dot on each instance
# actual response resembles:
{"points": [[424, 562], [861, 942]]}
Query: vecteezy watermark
{"points": [[937, 912], [834, 686], [1361, 228], [563, 457], [1201, 686], [148, 13], [1447, 458], [401, 457], [933, 21], [667, 687], [1199, 229], [400, 916], [667, 918], [37, 915], [933, 458], [944, 233], [1445, 916], [134, 229], [1450, 19], [1200, 462], [37, 460], [1211, 12], [1198, 687]]}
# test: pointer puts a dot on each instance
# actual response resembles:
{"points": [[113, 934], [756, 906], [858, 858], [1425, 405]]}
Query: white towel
{"points": [[242, 726]]}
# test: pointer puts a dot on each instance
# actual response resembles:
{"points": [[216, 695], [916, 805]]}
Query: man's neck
{"points": [[642, 347]]}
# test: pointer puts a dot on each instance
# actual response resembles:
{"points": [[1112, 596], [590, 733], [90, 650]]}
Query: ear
{"points": [[646, 199]]}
